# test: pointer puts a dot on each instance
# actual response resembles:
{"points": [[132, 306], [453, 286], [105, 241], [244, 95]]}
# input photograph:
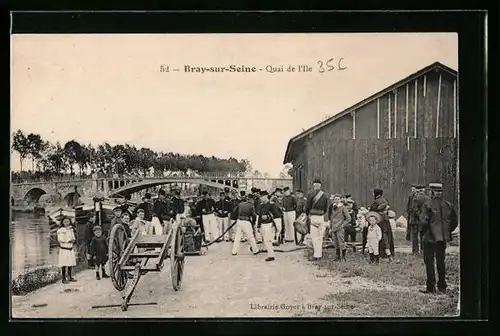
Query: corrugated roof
{"points": [[435, 65]]}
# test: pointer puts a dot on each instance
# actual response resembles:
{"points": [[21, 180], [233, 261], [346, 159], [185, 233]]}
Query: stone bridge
{"points": [[67, 190]]}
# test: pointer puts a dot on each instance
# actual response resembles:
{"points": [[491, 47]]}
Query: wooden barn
{"points": [[404, 134]]}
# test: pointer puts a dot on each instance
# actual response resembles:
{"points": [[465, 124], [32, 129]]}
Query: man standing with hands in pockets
{"points": [[316, 207]]}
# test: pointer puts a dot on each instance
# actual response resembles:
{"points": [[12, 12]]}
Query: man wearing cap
{"points": [[256, 203], [233, 217], [206, 206], [276, 199], [178, 205], [223, 208], [379, 202], [265, 223], [289, 213], [246, 216], [438, 222], [316, 208], [147, 206], [160, 212], [415, 211], [339, 218], [301, 208]]}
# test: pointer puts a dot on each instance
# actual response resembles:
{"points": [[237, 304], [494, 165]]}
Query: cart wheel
{"points": [[117, 244], [177, 258]]}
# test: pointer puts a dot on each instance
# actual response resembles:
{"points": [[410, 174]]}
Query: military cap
{"points": [[97, 228], [436, 186], [264, 193], [378, 191], [298, 190], [317, 181], [117, 208], [419, 186], [334, 195]]}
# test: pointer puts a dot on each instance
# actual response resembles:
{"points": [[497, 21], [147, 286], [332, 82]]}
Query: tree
{"points": [[257, 173], [56, 158], [20, 144], [35, 146], [286, 171], [73, 154]]}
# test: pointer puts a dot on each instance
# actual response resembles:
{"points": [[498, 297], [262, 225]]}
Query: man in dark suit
{"points": [[439, 221]]}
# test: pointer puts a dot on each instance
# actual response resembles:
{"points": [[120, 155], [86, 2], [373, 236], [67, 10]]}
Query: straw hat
{"points": [[373, 214]]}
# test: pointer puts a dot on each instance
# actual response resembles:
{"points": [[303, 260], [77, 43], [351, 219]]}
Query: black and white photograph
{"points": [[234, 175]]}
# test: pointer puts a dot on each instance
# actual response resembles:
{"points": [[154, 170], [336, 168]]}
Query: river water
{"points": [[30, 243]]}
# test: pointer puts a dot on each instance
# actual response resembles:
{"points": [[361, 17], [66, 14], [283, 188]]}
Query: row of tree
{"points": [[118, 159]]}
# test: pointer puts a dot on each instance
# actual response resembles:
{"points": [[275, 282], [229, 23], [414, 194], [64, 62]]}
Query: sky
{"points": [[109, 88]]}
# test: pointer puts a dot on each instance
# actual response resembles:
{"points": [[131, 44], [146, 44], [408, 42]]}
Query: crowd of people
{"points": [[273, 218]]}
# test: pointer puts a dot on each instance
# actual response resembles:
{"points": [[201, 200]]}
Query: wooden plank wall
{"points": [[358, 166]]}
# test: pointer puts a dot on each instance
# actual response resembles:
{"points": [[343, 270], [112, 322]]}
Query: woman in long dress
{"points": [[66, 239]]}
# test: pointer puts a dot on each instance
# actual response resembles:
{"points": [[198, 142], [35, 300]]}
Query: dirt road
{"points": [[215, 285]]}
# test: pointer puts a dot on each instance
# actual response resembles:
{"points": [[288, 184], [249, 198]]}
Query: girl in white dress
{"points": [[66, 239]]}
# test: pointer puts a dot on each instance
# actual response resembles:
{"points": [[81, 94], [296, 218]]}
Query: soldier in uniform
{"points": [[206, 206], [246, 216], [289, 214], [316, 207], [223, 208], [439, 221], [278, 220], [160, 213], [414, 210], [300, 209], [234, 213], [177, 205], [265, 223], [256, 204]]}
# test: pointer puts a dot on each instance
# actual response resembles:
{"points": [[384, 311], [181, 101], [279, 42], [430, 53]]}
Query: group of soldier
{"points": [[256, 217], [268, 218]]}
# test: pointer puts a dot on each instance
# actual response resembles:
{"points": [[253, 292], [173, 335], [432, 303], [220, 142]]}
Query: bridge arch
{"points": [[72, 198], [33, 195], [137, 186]]}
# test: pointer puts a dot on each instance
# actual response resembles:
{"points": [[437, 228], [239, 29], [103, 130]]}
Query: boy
{"points": [[374, 236], [99, 252]]}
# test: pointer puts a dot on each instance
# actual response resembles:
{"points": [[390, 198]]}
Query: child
{"points": [[374, 235], [66, 239], [99, 252], [140, 224], [363, 225]]}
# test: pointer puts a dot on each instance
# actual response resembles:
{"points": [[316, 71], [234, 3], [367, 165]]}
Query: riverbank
{"points": [[28, 209], [33, 279]]}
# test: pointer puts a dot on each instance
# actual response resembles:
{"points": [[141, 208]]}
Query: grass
{"points": [[33, 279], [407, 271], [387, 303]]}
